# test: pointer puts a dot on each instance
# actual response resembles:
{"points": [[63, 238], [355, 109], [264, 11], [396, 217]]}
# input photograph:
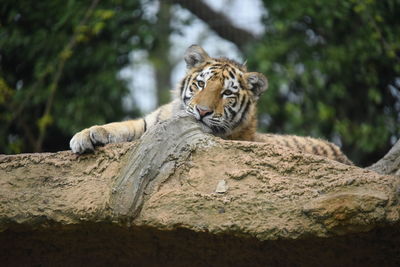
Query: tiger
{"points": [[222, 97]]}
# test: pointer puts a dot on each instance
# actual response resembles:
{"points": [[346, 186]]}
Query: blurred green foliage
{"points": [[333, 68], [334, 72], [59, 62]]}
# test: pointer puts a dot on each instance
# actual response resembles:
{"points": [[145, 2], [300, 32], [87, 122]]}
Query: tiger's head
{"points": [[221, 94]]}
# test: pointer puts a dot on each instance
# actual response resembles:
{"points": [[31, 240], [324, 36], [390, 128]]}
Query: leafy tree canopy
{"points": [[58, 68], [334, 72]]}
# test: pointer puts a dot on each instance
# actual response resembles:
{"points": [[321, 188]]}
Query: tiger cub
{"points": [[221, 95]]}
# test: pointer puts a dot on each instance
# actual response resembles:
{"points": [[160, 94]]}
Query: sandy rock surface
{"points": [[195, 199]]}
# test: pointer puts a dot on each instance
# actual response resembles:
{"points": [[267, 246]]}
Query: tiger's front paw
{"points": [[87, 139]]}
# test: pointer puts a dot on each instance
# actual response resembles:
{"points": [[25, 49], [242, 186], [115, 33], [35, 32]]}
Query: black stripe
{"points": [[185, 98], [241, 103], [231, 74], [232, 112], [217, 129], [297, 144], [243, 113], [184, 84], [323, 151], [145, 125], [235, 102], [241, 85], [332, 146]]}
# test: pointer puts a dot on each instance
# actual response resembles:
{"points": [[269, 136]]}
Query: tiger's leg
{"points": [[116, 132]]}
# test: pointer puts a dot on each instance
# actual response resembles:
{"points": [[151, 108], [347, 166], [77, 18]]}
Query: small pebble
{"points": [[222, 187]]}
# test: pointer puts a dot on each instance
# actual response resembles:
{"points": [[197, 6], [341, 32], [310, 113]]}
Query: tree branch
{"points": [[390, 163], [217, 22]]}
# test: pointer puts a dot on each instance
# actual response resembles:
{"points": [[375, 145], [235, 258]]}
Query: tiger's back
{"points": [[305, 144]]}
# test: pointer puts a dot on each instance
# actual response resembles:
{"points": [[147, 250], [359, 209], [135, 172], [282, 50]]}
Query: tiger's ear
{"points": [[194, 56], [257, 83]]}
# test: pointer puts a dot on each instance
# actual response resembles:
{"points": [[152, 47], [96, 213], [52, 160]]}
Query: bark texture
{"points": [[390, 163], [180, 197]]}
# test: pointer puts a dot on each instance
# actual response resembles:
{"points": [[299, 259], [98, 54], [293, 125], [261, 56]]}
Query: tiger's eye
{"points": [[227, 92], [200, 84]]}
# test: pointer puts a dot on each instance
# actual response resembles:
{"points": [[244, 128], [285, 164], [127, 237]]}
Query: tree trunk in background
{"points": [[179, 197], [159, 55]]}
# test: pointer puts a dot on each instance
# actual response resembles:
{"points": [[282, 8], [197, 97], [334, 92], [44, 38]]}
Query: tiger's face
{"points": [[219, 92]]}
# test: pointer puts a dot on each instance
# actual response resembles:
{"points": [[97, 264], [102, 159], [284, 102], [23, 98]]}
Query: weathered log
{"points": [[181, 197], [159, 153]]}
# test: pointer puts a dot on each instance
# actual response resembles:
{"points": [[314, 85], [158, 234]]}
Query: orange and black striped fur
{"points": [[222, 96]]}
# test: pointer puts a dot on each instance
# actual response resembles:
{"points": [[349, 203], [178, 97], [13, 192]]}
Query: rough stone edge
{"points": [[186, 135]]}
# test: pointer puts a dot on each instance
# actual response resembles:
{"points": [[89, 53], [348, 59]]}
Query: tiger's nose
{"points": [[203, 110]]}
